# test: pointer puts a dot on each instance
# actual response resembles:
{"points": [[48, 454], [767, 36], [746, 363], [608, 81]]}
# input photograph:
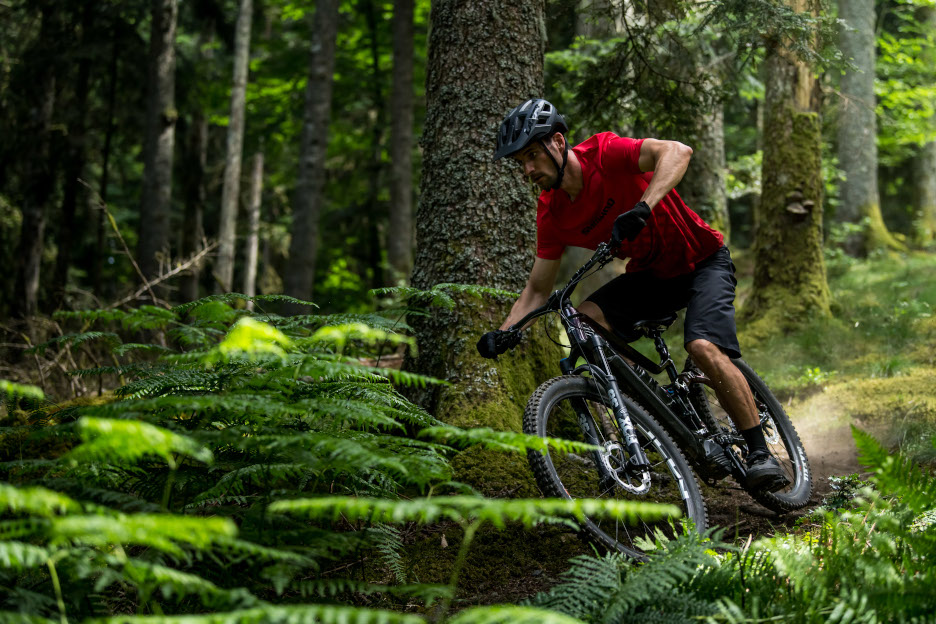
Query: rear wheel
{"points": [[555, 410], [782, 440]]}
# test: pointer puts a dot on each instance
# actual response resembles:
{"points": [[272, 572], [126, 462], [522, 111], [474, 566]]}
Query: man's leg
{"points": [[711, 340], [730, 385]]}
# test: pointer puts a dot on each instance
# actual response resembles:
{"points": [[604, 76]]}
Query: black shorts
{"points": [[707, 294]]}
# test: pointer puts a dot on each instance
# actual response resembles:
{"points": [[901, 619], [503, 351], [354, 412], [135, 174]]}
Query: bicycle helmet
{"points": [[534, 120]]}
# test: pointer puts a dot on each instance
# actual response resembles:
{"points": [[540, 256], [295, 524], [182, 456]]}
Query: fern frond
{"points": [[14, 390], [389, 545], [896, 474], [174, 381], [500, 614], [377, 393], [329, 588], [129, 441], [239, 549], [171, 582], [250, 338], [467, 508], [272, 614], [75, 340], [585, 588], [503, 440], [265, 475], [19, 555], [36, 501], [127, 347], [25, 527], [160, 531]]}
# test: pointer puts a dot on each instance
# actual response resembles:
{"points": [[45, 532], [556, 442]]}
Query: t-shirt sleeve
{"points": [[548, 246], [622, 155]]}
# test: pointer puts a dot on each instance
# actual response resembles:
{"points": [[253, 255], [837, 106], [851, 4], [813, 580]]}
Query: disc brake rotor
{"points": [[611, 456]]}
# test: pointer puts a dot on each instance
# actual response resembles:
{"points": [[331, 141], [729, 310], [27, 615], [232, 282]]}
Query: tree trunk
{"points": [[100, 219], [857, 131], [161, 117], [253, 228], [38, 173], [224, 266], [924, 169], [790, 284], [74, 165], [475, 222], [374, 218], [193, 185], [400, 232], [310, 181], [703, 186]]}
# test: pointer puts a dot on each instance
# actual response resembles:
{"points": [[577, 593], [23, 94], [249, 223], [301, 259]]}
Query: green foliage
{"points": [[247, 442], [870, 562]]}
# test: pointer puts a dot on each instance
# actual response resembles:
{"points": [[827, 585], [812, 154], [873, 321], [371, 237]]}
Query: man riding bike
{"points": [[676, 260]]}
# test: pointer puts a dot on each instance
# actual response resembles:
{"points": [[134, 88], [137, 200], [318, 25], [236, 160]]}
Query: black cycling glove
{"points": [[496, 342], [629, 224]]}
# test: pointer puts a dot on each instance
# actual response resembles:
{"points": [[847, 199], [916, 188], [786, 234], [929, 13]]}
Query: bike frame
{"points": [[604, 355]]}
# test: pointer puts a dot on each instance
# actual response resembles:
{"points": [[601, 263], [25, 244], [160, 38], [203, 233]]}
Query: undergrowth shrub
{"points": [[870, 561], [248, 467]]}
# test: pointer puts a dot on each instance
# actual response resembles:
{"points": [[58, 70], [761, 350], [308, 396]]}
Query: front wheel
{"points": [[566, 407], [782, 440]]}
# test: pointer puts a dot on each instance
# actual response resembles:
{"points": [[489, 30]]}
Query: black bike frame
{"points": [[604, 354]]}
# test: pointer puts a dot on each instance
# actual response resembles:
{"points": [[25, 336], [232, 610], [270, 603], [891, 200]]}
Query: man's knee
{"points": [[594, 312], [702, 350]]}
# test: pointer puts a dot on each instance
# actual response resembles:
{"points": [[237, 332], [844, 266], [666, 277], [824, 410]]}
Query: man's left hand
{"points": [[629, 224]]}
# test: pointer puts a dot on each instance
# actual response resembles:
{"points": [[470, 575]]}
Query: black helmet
{"points": [[532, 120]]}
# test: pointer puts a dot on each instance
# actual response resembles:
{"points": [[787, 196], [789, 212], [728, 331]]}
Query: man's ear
{"points": [[559, 139]]}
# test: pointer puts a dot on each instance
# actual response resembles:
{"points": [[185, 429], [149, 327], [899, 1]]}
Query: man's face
{"points": [[536, 164]]}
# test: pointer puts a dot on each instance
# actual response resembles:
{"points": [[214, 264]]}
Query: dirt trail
{"points": [[825, 432]]}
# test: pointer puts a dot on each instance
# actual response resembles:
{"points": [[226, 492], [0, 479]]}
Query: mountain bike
{"points": [[655, 440]]}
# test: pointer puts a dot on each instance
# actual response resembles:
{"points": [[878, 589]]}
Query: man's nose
{"points": [[528, 167]]}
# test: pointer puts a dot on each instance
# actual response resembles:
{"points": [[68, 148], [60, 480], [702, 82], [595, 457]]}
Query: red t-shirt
{"points": [[671, 244]]}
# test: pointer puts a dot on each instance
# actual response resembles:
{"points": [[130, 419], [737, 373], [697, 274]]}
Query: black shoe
{"points": [[764, 473]]}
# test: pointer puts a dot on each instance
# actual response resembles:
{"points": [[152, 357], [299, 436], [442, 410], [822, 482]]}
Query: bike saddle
{"points": [[655, 324]]}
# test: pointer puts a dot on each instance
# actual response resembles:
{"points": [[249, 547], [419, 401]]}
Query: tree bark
{"points": [[193, 185], [161, 115], [99, 220], [790, 284], [857, 131], [310, 182], [253, 228], [475, 221], [38, 171], [924, 169], [224, 266], [74, 164], [400, 231], [703, 186]]}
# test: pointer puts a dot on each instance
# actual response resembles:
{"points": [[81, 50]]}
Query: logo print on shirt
{"points": [[604, 212]]}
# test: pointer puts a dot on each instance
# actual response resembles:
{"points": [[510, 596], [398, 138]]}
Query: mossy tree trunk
{"points": [[857, 131], [789, 273], [703, 186], [475, 221]]}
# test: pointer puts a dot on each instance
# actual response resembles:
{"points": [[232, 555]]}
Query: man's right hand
{"points": [[496, 342]]}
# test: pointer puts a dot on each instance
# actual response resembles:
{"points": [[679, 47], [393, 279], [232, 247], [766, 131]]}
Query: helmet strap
{"points": [[560, 171]]}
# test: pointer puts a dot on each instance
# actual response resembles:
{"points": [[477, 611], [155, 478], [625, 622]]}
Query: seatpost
{"points": [[665, 360]]}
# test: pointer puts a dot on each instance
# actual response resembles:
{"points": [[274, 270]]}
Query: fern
{"points": [[37, 501], [271, 614], [503, 440], [74, 340], [20, 556], [501, 614], [13, 390], [129, 441], [467, 508]]}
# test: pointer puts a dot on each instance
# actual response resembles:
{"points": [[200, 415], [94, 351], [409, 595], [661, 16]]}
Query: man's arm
{"points": [[536, 292], [668, 161]]}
